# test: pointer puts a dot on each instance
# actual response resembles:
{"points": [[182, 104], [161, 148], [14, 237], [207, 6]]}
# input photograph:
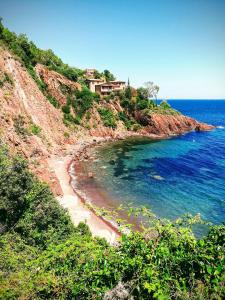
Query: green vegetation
{"points": [[35, 129], [53, 101], [108, 117], [108, 76], [78, 104], [66, 135], [43, 256], [5, 78], [30, 55], [127, 120], [84, 101], [20, 127]]}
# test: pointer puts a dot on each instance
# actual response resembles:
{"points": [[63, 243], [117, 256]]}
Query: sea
{"points": [[172, 177]]}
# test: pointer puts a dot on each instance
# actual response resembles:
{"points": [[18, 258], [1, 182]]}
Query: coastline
{"points": [[74, 204], [72, 200]]}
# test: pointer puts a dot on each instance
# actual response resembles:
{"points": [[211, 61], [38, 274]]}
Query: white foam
{"points": [[220, 127]]}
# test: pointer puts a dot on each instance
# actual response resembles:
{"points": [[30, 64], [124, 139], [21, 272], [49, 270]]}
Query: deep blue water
{"points": [[174, 176]]}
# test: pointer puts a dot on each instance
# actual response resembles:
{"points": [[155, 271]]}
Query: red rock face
{"points": [[56, 83], [167, 125]]}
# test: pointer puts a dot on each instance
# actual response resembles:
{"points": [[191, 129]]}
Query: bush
{"points": [[84, 101], [107, 117], [66, 109], [126, 120], [6, 78], [165, 105], [136, 127], [142, 104], [44, 257], [20, 127], [53, 101], [27, 206], [35, 129], [66, 135]]}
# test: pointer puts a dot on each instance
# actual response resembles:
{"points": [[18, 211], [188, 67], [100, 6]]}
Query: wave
{"points": [[220, 127]]}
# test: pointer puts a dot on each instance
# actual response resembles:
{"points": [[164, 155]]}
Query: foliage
{"points": [[20, 126], [97, 74], [164, 109], [165, 105], [66, 109], [44, 257], [84, 101], [66, 134], [6, 78], [31, 55], [142, 93], [53, 101], [35, 129], [27, 206], [128, 92], [152, 90], [107, 117], [128, 122], [108, 76]]}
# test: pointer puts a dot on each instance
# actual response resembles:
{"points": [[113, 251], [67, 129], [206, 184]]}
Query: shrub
{"points": [[35, 129], [66, 135], [165, 105], [44, 257], [27, 206], [53, 101], [6, 78], [136, 127], [107, 117], [142, 104], [126, 120], [20, 126], [66, 109], [84, 101]]}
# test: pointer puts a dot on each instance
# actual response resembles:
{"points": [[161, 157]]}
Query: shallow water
{"points": [[174, 176]]}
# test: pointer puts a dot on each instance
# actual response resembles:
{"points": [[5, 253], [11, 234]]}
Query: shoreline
{"points": [[72, 199], [74, 203]]}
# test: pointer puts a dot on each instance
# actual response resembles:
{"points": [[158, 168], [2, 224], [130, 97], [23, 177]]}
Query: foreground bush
{"points": [[42, 256]]}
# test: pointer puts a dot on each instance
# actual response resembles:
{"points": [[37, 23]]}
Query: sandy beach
{"points": [[72, 202]]}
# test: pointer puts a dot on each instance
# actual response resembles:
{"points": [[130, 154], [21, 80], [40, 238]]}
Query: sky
{"points": [[177, 44]]}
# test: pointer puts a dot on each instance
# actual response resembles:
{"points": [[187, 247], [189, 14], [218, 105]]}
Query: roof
{"points": [[111, 83], [105, 84], [117, 81], [94, 79]]}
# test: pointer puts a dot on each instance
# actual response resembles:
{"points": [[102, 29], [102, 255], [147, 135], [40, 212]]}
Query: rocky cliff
{"points": [[32, 126]]}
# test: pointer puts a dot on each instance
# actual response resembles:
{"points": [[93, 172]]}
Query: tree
{"points": [[1, 28], [142, 93], [97, 74], [108, 76], [128, 91], [152, 90]]}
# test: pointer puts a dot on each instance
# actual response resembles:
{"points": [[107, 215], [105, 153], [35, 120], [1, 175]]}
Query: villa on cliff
{"points": [[104, 88]]}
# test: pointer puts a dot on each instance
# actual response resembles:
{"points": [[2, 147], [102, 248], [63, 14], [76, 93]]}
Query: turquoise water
{"points": [[174, 176]]}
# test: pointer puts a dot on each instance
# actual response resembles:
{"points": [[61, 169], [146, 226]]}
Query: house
{"points": [[93, 82], [106, 88]]}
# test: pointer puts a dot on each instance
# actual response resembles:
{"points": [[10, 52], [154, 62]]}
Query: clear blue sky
{"points": [[178, 44]]}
